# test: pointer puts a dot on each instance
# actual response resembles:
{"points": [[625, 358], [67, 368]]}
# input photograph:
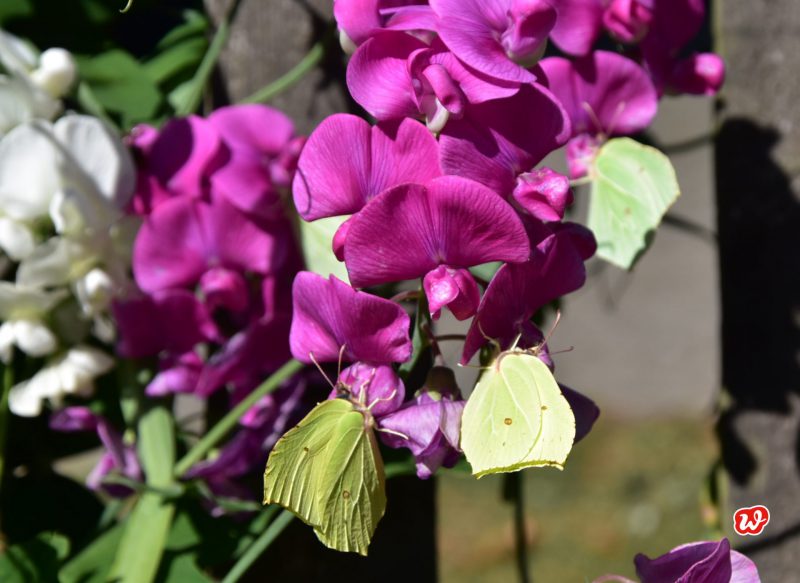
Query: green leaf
{"points": [[633, 186], [316, 237], [148, 526], [93, 563], [35, 560], [180, 59], [122, 86], [419, 339]]}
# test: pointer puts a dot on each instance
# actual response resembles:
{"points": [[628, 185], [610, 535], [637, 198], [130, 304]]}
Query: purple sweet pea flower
{"points": [[185, 237], [329, 314], [628, 20], [585, 410], [263, 156], [497, 37], [675, 23], [429, 425], [454, 288], [605, 95], [359, 20], [394, 75], [518, 291], [700, 562], [496, 141], [118, 457], [377, 387], [412, 229], [543, 193], [178, 374], [578, 25], [171, 320], [346, 162]]}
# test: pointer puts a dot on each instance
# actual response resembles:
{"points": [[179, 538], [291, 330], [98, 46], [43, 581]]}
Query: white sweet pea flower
{"points": [[22, 311], [16, 239], [72, 373]]}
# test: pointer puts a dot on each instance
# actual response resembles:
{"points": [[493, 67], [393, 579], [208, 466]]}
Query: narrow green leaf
{"points": [[142, 545], [633, 186], [259, 546], [35, 560], [419, 339], [93, 563], [317, 237], [181, 58]]}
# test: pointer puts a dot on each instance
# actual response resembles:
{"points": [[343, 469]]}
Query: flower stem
{"points": [[227, 423], [203, 73], [259, 546], [294, 75], [8, 381], [513, 493]]}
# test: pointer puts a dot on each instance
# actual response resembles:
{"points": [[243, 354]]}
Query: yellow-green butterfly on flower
{"points": [[516, 417], [328, 471]]}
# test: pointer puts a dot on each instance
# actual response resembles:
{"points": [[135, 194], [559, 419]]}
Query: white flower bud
{"points": [[56, 73]]}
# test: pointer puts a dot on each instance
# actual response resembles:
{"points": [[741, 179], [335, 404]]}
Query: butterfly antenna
{"points": [[379, 400], [563, 350], [552, 328], [516, 341], [322, 372], [487, 338], [339, 366], [392, 432], [593, 116]]}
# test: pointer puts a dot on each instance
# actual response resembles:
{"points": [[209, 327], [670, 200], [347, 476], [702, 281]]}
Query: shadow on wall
{"points": [[759, 238]]}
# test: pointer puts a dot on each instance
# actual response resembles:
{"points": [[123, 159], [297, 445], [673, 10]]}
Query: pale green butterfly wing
{"points": [[633, 186], [516, 418], [357, 497], [293, 477], [328, 471]]}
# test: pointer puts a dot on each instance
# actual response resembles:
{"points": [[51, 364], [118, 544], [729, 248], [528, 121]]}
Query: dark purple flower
{"points": [[377, 387], [585, 410], [496, 141], [518, 291], [178, 374], [412, 229], [170, 320], [429, 425], [394, 75], [497, 37], [329, 315], [119, 457], [700, 562], [346, 162], [544, 193], [184, 238]]}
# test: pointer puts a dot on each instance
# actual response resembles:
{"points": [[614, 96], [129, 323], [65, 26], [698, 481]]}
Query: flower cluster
{"points": [[213, 263], [63, 231], [430, 201]]}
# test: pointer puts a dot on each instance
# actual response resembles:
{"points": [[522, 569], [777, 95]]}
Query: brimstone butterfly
{"points": [[328, 471], [516, 417]]}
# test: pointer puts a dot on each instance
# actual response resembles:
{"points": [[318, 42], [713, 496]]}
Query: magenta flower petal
{"points": [[186, 151], [346, 162], [454, 288], [378, 75], [73, 419], [544, 193], [412, 229], [184, 237], [518, 291], [578, 25], [494, 36], [628, 20], [378, 386], [699, 74], [498, 140], [700, 562], [171, 320], [329, 314], [254, 128], [223, 288], [604, 93], [177, 375]]}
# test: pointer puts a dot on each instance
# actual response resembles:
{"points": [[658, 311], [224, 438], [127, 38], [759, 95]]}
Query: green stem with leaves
{"points": [[227, 423]]}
